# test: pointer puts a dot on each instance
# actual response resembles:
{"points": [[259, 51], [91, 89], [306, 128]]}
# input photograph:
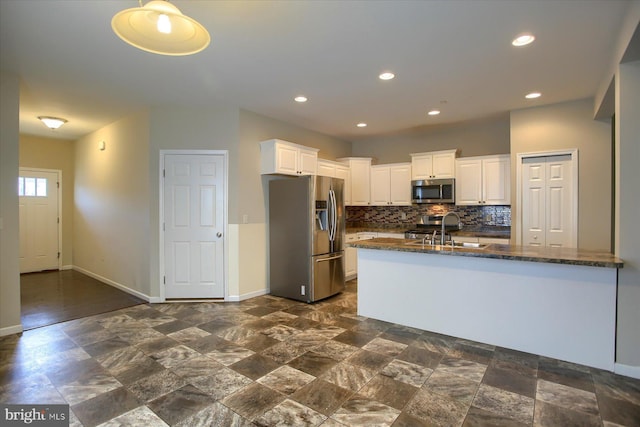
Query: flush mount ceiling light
{"points": [[386, 76], [433, 112], [159, 27], [52, 122], [523, 40], [533, 95], [300, 98], [362, 125]]}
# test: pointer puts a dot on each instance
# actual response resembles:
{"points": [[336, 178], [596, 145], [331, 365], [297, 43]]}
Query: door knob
{"points": [[219, 234]]}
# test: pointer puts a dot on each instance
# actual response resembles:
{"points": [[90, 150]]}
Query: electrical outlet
{"points": [[403, 215], [366, 216], [245, 219]]}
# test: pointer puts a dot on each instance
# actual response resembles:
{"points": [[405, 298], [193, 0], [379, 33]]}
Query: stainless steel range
{"points": [[430, 228]]}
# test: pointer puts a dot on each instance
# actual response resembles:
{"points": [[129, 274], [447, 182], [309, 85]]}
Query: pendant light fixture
{"points": [[159, 27], [52, 122]]}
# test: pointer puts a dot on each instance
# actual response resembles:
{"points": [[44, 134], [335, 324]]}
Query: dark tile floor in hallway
{"points": [[269, 361]]}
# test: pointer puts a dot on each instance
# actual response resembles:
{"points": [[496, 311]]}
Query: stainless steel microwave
{"points": [[433, 190]]}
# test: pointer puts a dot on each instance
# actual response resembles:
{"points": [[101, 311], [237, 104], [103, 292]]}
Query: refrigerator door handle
{"points": [[333, 215], [329, 259]]}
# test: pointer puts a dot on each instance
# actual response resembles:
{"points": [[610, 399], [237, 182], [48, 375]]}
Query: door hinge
{"points": [[164, 280], [164, 173], [58, 184], [163, 229], [58, 255]]}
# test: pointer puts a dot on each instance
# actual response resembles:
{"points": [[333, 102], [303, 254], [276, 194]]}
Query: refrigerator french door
{"points": [[306, 237]]}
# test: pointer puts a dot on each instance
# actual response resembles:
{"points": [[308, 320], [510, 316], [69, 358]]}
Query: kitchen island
{"points": [[554, 302]]}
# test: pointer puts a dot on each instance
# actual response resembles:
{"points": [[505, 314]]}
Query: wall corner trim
{"points": [[236, 298], [114, 284], [10, 330], [627, 370]]}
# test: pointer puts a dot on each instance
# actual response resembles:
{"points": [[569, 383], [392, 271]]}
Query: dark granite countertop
{"points": [[472, 231], [507, 252]]}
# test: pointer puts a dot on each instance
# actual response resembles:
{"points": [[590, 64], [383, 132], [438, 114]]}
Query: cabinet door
{"points": [[360, 183], [468, 182], [380, 185], [351, 258], [422, 167], [496, 181], [400, 185], [344, 173], [444, 165], [326, 168], [286, 159], [308, 162], [493, 240]]}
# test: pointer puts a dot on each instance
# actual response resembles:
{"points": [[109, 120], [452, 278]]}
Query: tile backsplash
{"points": [[405, 215]]}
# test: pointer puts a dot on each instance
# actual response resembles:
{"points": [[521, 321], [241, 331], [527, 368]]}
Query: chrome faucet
{"points": [[443, 222]]}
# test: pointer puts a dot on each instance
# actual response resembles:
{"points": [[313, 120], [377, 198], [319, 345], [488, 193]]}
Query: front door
{"points": [[38, 210], [194, 192]]}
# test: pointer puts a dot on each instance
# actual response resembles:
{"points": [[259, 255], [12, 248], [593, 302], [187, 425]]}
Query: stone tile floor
{"points": [[270, 361]]}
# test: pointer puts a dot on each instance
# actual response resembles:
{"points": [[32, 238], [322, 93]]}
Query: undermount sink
{"points": [[465, 245]]}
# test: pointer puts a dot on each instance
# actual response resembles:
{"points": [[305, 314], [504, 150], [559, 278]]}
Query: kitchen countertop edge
{"points": [[497, 251]]}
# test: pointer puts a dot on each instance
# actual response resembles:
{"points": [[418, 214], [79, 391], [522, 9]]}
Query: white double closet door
{"points": [[549, 212]]}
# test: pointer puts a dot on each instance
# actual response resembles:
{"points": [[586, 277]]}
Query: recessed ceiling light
{"points": [[533, 95], [362, 125], [523, 40], [386, 76], [300, 98], [434, 112]]}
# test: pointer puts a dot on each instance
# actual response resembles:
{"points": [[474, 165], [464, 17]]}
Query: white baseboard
{"points": [[66, 267], [10, 330], [236, 298], [627, 370], [115, 284]]}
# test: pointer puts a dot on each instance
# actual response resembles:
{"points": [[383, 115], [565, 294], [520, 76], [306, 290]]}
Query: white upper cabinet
{"points": [[337, 170], [342, 171], [326, 168], [286, 158], [435, 164], [391, 184], [360, 169], [483, 180]]}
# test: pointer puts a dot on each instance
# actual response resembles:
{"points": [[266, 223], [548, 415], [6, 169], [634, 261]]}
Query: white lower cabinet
{"points": [[351, 254], [351, 259]]}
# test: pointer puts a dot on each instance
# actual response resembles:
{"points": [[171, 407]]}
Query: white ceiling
{"points": [[263, 53]]}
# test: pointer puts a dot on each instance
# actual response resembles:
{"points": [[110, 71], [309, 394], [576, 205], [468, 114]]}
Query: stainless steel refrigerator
{"points": [[306, 237]]}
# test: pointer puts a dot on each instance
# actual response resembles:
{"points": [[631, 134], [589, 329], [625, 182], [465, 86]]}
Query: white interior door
{"points": [[194, 195], [548, 214], [38, 192]]}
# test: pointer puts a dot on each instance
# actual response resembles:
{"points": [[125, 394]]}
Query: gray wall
{"points": [[255, 128], [628, 212], [476, 138], [564, 126], [9, 236]]}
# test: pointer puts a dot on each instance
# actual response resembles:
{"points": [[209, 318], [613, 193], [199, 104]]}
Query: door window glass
{"points": [[32, 187]]}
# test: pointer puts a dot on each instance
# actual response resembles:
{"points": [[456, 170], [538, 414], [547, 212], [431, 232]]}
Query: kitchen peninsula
{"points": [[554, 302]]}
